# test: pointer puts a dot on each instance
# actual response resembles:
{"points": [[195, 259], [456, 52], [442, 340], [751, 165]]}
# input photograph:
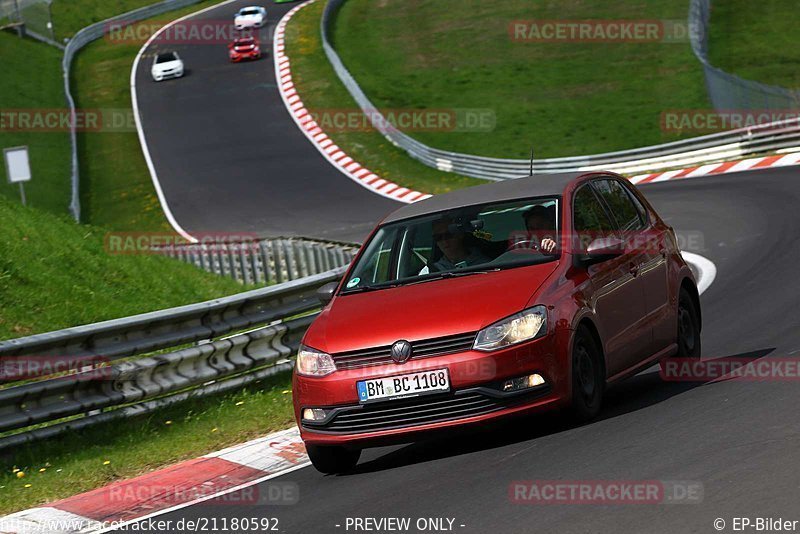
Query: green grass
{"points": [[31, 81], [564, 98], [115, 183], [320, 89], [116, 188], [74, 463], [756, 40], [69, 16], [56, 274]]}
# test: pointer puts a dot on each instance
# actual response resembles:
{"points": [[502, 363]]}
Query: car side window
{"points": [[590, 220], [627, 211]]}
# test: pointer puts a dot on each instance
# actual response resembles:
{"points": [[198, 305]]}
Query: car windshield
{"points": [[244, 42], [166, 58], [456, 243], [246, 12]]}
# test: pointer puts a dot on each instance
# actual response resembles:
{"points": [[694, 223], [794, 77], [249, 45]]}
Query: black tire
{"points": [[332, 460], [588, 376], [688, 327]]}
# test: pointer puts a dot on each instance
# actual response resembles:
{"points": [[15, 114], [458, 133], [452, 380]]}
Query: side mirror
{"points": [[325, 293], [603, 249]]}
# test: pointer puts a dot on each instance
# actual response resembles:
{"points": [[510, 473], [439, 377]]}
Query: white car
{"points": [[167, 65], [250, 17]]}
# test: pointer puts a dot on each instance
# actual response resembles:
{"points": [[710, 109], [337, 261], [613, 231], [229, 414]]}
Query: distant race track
{"points": [[229, 157]]}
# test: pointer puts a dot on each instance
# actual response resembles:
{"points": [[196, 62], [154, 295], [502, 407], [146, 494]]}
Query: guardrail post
{"points": [[308, 250], [201, 249], [291, 268], [269, 275], [255, 261], [244, 256], [279, 264], [223, 260], [299, 254]]}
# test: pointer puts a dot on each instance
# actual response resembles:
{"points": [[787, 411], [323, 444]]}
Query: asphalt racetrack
{"points": [[230, 158]]}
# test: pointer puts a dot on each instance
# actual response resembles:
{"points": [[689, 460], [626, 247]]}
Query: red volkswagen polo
{"points": [[498, 300]]}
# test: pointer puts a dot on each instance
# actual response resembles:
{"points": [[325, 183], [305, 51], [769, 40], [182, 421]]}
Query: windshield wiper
{"points": [[434, 276], [450, 274]]}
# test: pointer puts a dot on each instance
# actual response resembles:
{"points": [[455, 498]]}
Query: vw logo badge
{"points": [[401, 351]]}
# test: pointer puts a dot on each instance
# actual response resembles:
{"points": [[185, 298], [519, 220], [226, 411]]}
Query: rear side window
{"points": [[589, 217], [627, 211]]}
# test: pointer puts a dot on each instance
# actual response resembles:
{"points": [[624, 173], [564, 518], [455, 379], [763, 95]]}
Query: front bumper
{"points": [[475, 395], [248, 25], [239, 56], [167, 75]]}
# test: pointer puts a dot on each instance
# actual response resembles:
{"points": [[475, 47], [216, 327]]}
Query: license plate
{"points": [[403, 386]]}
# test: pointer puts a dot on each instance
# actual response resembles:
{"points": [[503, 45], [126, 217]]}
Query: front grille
{"points": [[420, 349], [419, 411]]}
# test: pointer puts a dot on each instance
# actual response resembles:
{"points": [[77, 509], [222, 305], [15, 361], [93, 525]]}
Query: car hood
{"points": [[248, 17], [167, 66], [426, 310]]}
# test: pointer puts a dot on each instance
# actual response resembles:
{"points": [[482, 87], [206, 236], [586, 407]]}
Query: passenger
{"points": [[456, 254], [540, 221]]}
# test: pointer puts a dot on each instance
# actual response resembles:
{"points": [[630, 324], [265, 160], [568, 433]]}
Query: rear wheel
{"points": [[332, 460], [688, 327], [588, 377]]}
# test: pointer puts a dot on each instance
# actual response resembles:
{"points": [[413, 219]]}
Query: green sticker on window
{"points": [[353, 283]]}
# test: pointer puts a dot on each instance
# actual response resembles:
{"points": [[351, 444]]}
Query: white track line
{"points": [[705, 267], [324, 145], [142, 140]]}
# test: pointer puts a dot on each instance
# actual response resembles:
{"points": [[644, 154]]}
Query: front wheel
{"points": [[688, 327], [588, 377], [332, 460]]}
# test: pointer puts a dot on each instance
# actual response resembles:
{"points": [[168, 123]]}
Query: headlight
{"points": [[311, 362], [523, 326]]}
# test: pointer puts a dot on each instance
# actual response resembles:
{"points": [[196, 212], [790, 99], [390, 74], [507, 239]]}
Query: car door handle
{"points": [[633, 269]]}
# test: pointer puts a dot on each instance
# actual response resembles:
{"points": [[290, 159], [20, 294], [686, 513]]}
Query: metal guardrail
{"points": [[200, 349], [78, 41], [728, 91], [266, 261], [707, 148]]}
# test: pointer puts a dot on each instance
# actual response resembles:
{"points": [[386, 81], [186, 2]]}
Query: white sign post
{"points": [[18, 167]]}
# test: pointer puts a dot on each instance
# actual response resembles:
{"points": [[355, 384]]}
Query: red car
{"points": [[498, 300], [244, 48]]}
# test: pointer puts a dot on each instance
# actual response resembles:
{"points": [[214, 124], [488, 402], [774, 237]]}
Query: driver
{"points": [[456, 254], [540, 221]]}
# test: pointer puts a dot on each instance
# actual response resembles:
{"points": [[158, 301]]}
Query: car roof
{"points": [[538, 185]]}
